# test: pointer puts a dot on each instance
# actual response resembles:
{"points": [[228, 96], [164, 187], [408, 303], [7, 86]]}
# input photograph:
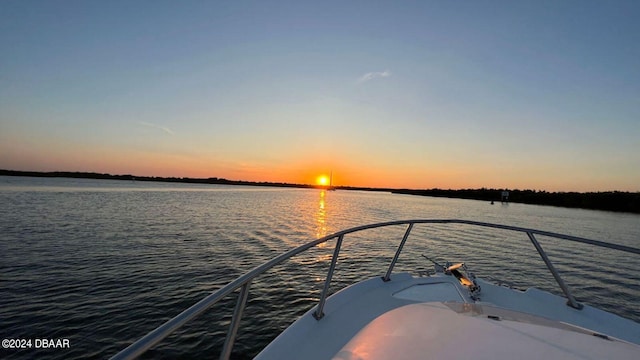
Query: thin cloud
{"points": [[155, 126], [374, 75]]}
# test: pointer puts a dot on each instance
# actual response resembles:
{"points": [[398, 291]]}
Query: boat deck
{"points": [[355, 319]]}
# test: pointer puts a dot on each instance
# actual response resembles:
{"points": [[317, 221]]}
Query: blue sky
{"points": [[455, 94]]}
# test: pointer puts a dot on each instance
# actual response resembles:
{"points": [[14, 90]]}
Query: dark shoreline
{"points": [[618, 201], [91, 175]]}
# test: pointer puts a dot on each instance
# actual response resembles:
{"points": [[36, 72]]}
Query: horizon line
{"points": [[7, 172]]}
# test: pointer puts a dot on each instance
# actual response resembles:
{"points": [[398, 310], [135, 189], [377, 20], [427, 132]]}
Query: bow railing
{"points": [[244, 282]]}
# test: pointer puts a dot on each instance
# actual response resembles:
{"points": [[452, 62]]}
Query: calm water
{"points": [[101, 263]]}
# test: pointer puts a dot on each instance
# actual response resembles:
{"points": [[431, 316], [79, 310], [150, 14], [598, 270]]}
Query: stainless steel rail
{"points": [[243, 282]]}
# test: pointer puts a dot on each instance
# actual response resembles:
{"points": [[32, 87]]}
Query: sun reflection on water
{"points": [[321, 217]]}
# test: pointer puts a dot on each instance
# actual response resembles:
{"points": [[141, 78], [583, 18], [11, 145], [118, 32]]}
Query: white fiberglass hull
{"points": [[434, 318]]}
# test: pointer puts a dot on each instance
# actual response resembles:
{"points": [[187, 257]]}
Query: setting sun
{"points": [[323, 180]]}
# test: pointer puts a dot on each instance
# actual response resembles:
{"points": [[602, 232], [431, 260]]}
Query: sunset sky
{"points": [[408, 94]]}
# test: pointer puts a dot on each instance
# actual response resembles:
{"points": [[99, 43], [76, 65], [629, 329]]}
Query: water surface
{"points": [[102, 262]]}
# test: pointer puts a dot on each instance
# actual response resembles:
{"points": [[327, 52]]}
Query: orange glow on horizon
{"points": [[43, 154]]}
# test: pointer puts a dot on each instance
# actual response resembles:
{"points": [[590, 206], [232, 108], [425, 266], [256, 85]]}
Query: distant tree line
{"points": [[609, 200], [91, 175]]}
